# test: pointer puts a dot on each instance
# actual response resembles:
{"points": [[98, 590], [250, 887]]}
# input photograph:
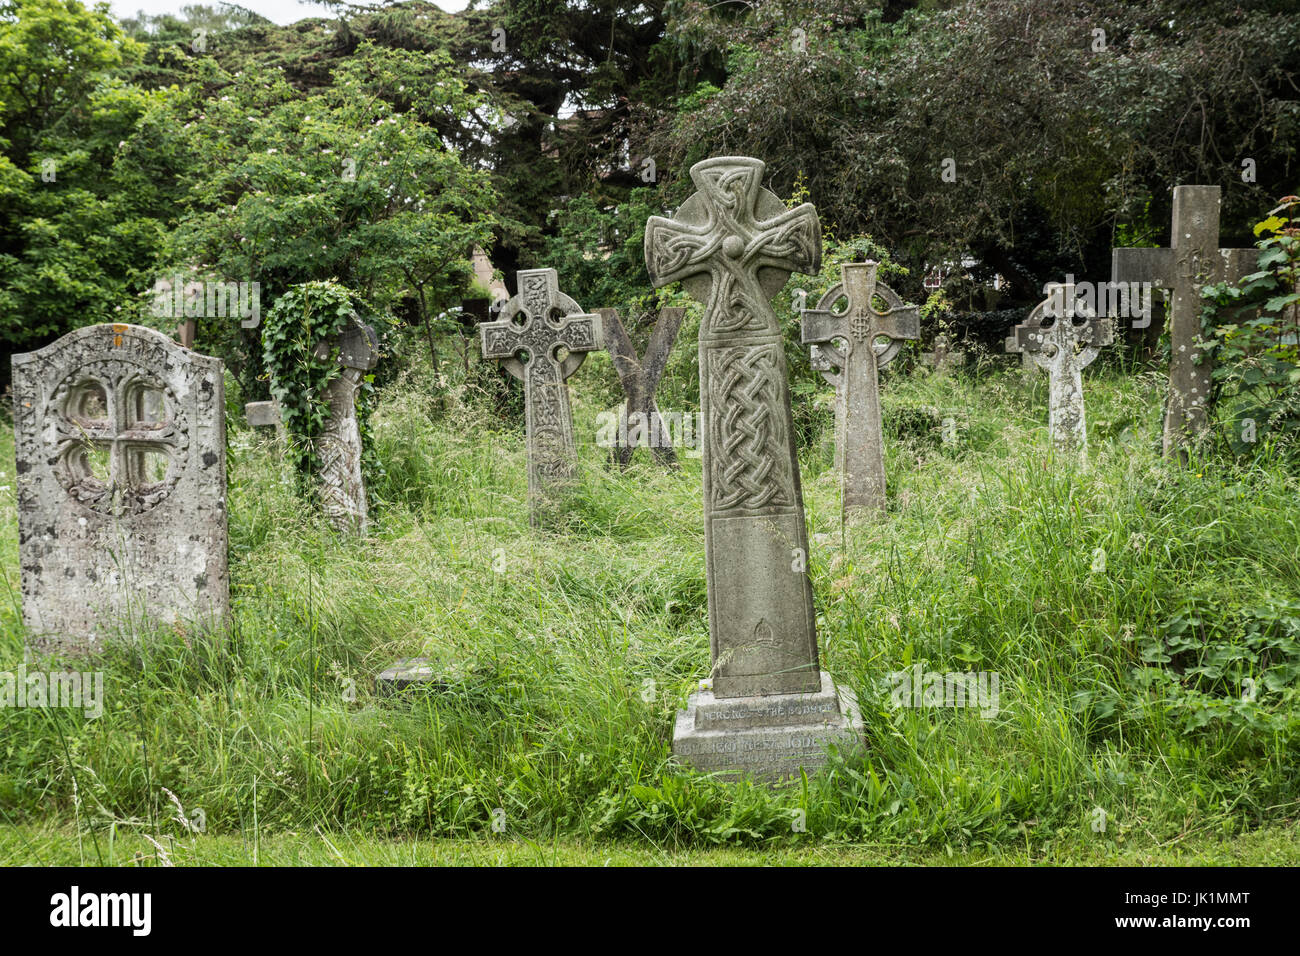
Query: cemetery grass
{"points": [[1121, 604]]}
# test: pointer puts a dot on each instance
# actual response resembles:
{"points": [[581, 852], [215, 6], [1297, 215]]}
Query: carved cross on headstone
{"points": [[942, 354], [1192, 260], [1063, 336], [338, 446], [860, 327], [640, 377], [542, 337]]}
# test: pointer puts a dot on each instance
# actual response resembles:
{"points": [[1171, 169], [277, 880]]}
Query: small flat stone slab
{"points": [[767, 738], [422, 672]]}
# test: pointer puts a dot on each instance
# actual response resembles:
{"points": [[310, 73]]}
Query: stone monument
{"points": [[1063, 336], [861, 327], [1192, 261], [542, 337], [121, 483], [338, 447], [640, 378], [770, 709]]}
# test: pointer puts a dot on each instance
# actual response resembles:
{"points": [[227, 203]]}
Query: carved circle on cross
{"points": [[121, 437], [531, 316], [860, 322]]}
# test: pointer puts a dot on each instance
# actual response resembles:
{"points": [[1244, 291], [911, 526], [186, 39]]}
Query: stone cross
{"points": [[1062, 336], [338, 447], [542, 337], [1192, 261], [860, 327], [733, 245], [640, 377], [942, 354], [121, 484]]}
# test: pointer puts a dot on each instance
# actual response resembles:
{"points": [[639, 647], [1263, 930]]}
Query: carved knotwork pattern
{"points": [[126, 441], [749, 455]]}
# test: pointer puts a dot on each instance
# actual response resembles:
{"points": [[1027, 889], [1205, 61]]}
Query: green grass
{"points": [[568, 651]]}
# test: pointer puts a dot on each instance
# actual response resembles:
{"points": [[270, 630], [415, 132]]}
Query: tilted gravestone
{"points": [[640, 378], [770, 709], [1063, 336], [1192, 261], [121, 460], [861, 327], [338, 448], [942, 354], [542, 337]]}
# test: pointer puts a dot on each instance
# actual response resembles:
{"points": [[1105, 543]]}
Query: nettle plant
{"points": [[304, 316], [1256, 352]]}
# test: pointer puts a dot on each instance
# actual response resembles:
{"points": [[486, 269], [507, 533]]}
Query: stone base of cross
{"points": [[1062, 336]]}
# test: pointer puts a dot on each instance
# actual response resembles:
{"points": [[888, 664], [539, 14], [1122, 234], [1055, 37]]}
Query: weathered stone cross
{"points": [[942, 354], [1063, 336], [640, 377], [733, 245], [860, 326], [542, 337], [1192, 260]]}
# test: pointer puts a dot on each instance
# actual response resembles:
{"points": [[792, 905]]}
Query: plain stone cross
{"points": [[542, 337], [1062, 336], [640, 378], [1192, 261], [860, 326], [942, 354], [338, 447], [733, 245]]}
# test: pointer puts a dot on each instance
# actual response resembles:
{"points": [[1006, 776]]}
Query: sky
{"points": [[280, 11]]}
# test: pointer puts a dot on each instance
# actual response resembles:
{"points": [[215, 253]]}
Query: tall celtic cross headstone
{"points": [[1063, 336], [860, 326], [542, 337], [640, 377], [770, 709], [338, 447], [1192, 261], [121, 483]]}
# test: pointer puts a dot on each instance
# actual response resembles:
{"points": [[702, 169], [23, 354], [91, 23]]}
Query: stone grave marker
{"points": [[862, 328], [942, 354], [1013, 348], [770, 708], [1192, 260], [542, 337], [640, 378], [338, 447], [1062, 336], [121, 484]]}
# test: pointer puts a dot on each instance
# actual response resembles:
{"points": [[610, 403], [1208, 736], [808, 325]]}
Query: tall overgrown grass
{"points": [[565, 652]]}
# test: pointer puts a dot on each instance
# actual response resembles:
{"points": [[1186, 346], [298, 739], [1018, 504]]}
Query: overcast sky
{"points": [[280, 11]]}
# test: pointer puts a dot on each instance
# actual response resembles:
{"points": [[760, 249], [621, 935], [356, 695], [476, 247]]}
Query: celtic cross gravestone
{"points": [[860, 327], [542, 337], [340, 482], [770, 709], [1063, 336]]}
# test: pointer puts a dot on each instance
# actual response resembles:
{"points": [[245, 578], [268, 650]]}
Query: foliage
{"points": [[301, 319], [1251, 330]]}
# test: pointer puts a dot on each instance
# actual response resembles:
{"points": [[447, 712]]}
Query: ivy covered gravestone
{"points": [[318, 352]]}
